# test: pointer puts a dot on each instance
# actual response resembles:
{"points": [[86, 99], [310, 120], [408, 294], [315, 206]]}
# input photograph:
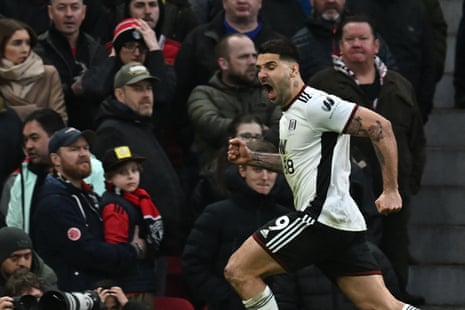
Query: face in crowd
{"points": [[133, 51], [329, 10], [358, 44], [238, 68], [138, 97], [18, 47], [73, 161], [36, 142], [243, 11], [18, 259], [148, 10], [67, 15]]}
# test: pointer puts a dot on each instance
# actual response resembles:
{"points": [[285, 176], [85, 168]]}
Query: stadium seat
{"points": [[172, 303]]}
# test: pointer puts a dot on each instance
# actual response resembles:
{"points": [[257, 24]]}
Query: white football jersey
{"points": [[316, 157]]}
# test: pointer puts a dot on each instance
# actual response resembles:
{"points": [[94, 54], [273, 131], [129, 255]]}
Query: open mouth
{"points": [[269, 91]]}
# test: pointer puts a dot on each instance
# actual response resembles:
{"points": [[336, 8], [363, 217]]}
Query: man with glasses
{"points": [[72, 52], [134, 40], [232, 91], [16, 253]]}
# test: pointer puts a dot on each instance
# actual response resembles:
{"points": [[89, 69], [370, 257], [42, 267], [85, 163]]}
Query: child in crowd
{"points": [[126, 208]]}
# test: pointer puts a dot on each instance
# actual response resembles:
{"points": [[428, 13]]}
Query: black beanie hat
{"points": [[13, 239]]}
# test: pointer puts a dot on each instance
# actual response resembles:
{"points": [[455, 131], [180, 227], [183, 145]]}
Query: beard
{"points": [[244, 79], [76, 171]]}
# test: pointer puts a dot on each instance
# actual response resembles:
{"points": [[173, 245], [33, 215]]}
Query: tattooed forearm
{"points": [[375, 132], [268, 161]]}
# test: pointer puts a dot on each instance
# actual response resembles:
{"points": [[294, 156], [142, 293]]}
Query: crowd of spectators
{"points": [[114, 123]]}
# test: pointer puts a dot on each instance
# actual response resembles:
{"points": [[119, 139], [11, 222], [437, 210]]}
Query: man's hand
{"points": [[238, 152], [139, 243], [389, 202], [150, 37], [114, 291], [6, 303]]}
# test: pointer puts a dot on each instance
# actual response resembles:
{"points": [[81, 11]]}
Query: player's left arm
{"points": [[368, 123]]}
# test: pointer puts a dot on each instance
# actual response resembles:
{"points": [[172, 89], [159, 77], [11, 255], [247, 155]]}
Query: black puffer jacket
{"points": [[217, 233], [118, 125]]}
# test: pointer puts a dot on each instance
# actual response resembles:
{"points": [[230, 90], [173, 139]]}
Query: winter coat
{"points": [[396, 102], [121, 126], [67, 232], [218, 232], [213, 107], [54, 49]]}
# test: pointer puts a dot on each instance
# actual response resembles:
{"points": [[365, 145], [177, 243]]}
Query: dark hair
{"points": [[22, 280], [161, 7], [282, 46], [223, 46], [105, 284], [359, 18], [49, 119], [242, 119], [8, 26]]}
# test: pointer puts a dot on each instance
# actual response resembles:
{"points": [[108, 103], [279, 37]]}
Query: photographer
{"points": [[113, 297], [22, 282]]}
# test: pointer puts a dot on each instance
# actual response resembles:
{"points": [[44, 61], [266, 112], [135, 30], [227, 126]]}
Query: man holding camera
{"points": [[16, 253]]}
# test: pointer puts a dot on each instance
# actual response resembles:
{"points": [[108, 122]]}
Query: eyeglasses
{"points": [[250, 136], [131, 46]]}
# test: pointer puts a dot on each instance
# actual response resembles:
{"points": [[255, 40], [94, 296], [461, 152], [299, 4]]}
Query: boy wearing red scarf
{"points": [[125, 208]]}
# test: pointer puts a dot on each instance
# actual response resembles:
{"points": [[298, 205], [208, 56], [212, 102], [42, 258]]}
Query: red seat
{"points": [[172, 303]]}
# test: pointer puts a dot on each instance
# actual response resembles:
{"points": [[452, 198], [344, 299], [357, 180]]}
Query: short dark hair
{"points": [[8, 26], [282, 46], [49, 119], [22, 280], [359, 18], [242, 119]]}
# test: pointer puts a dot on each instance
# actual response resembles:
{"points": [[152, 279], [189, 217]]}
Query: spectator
{"points": [[25, 82], [195, 62], [233, 90], [223, 226], [317, 41], [406, 27], [67, 228], [35, 14], [284, 16], [20, 191], [112, 297], [133, 40], [23, 282], [359, 76], [126, 206], [126, 116], [10, 135], [72, 52], [16, 253], [459, 64]]}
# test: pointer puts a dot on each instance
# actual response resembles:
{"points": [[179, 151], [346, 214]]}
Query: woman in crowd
{"points": [[25, 82]]}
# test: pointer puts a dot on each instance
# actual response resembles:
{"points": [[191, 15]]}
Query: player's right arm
{"points": [[240, 154]]}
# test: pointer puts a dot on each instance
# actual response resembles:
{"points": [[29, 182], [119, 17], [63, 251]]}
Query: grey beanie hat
{"points": [[13, 239]]}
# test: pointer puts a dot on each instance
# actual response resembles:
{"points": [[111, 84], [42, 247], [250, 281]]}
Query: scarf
{"points": [[152, 218], [18, 80], [339, 65]]}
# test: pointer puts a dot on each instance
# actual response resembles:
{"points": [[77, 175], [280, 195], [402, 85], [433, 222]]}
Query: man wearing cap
{"points": [[133, 41], [126, 120], [66, 228], [20, 190], [16, 252], [72, 52]]}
